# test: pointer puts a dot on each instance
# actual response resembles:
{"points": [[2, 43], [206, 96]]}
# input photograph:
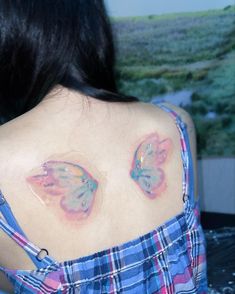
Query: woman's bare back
{"points": [[103, 141]]}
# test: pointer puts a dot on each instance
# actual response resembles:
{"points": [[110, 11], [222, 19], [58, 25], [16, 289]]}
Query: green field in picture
{"points": [[187, 59]]}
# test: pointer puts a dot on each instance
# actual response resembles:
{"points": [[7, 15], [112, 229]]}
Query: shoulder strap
{"points": [[11, 227], [188, 175]]}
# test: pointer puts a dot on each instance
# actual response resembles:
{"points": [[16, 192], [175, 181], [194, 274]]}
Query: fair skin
{"points": [[102, 138]]}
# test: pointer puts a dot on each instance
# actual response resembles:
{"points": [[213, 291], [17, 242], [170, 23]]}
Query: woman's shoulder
{"points": [[184, 115], [162, 118], [153, 111], [188, 121], [151, 107]]}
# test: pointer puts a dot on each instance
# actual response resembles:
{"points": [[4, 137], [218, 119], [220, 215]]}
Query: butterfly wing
{"points": [[72, 182], [146, 168]]}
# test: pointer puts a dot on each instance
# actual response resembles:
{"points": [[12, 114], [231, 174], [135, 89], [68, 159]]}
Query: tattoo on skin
{"points": [[147, 165], [67, 184], [70, 190]]}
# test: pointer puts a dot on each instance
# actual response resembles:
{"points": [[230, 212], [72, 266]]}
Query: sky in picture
{"points": [[147, 7]]}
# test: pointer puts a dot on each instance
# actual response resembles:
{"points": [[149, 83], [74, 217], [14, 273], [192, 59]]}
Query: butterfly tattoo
{"points": [[68, 183], [73, 189], [146, 169]]}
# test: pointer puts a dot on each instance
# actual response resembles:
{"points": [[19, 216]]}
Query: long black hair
{"points": [[48, 42]]}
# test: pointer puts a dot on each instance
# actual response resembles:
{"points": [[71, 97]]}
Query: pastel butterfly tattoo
{"points": [[67, 184], [147, 165]]}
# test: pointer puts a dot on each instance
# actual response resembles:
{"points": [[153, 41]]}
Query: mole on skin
{"points": [[67, 184], [147, 164]]}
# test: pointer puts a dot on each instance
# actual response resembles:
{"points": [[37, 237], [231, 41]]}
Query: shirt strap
{"points": [[11, 227], [188, 174]]}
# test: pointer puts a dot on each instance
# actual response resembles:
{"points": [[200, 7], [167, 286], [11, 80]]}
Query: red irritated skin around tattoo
{"points": [[66, 184], [147, 165]]}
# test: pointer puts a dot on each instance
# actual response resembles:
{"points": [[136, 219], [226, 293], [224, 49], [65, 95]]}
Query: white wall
{"points": [[147, 7], [216, 180]]}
